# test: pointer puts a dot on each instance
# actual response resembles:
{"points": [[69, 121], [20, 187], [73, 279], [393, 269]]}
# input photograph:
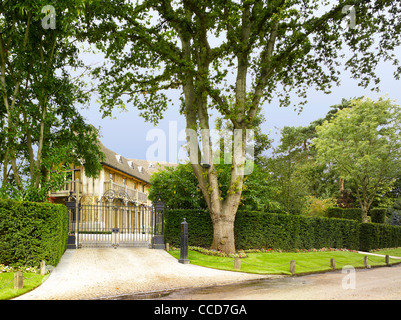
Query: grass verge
{"points": [[31, 281], [396, 252], [279, 262]]}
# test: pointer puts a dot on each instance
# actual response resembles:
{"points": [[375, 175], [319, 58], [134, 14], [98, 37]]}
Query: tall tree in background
{"points": [[295, 169], [363, 145], [248, 51], [40, 124]]}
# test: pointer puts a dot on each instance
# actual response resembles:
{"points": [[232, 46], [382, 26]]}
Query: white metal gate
{"points": [[113, 225]]}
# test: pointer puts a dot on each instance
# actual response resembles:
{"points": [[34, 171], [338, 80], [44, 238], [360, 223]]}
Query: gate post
{"points": [[77, 213], [158, 237], [71, 207], [184, 243]]}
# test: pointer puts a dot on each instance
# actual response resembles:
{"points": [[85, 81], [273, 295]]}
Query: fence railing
{"points": [[68, 186], [133, 194], [119, 190]]}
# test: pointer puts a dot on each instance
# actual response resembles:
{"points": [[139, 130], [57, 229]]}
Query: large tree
{"points": [[294, 167], [40, 124], [363, 145], [250, 52]]}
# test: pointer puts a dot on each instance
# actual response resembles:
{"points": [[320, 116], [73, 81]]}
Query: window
{"points": [[68, 176], [77, 174], [119, 158], [111, 177], [123, 181]]}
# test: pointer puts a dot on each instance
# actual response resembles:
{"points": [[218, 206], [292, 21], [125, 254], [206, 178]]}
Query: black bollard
{"points": [[184, 243]]}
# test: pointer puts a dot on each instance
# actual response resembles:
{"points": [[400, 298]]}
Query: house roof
{"points": [[127, 166], [153, 166]]}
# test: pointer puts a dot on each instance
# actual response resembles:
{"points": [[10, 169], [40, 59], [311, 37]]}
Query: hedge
{"points": [[289, 232], [376, 236], [200, 231], [378, 215], [31, 232], [283, 231], [345, 213]]}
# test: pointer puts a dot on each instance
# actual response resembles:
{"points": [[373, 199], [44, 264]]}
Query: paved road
{"points": [[382, 283]]}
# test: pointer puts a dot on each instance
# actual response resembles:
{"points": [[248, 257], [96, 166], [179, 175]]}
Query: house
{"points": [[114, 209], [125, 181]]}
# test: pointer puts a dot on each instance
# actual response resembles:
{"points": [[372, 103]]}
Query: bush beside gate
{"points": [[31, 232], [284, 231]]}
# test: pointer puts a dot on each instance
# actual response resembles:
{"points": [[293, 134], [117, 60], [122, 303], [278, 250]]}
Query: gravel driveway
{"points": [[90, 273]]}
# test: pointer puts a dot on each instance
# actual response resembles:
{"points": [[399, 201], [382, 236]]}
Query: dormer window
{"points": [[140, 169], [151, 165], [131, 164], [119, 158]]}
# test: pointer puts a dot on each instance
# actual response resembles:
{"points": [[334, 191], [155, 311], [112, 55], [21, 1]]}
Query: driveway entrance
{"points": [[91, 273], [112, 222]]}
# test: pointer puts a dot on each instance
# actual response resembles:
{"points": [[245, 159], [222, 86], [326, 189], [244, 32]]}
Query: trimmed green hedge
{"points": [[200, 229], [288, 232], [345, 213], [378, 235], [284, 231], [378, 215], [31, 232]]}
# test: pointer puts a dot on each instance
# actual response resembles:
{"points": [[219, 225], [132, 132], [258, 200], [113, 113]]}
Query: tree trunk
{"points": [[223, 232], [222, 212], [365, 210]]}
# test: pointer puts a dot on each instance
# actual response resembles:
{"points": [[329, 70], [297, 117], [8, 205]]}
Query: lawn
{"points": [[7, 291], [279, 262], [391, 252]]}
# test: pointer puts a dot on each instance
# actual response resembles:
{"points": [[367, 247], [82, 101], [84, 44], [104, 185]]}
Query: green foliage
{"points": [[274, 49], [378, 235], [258, 230], [345, 213], [378, 215], [31, 232], [200, 229], [395, 213], [317, 207], [40, 125], [179, 188], [363, 145], [289, 232], [285, 49], [266, 230]]}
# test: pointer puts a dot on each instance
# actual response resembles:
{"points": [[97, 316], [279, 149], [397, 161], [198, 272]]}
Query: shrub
{"points": [[395, 213], [378, 215], [317, 207], [31, 232], [345, 213]]}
